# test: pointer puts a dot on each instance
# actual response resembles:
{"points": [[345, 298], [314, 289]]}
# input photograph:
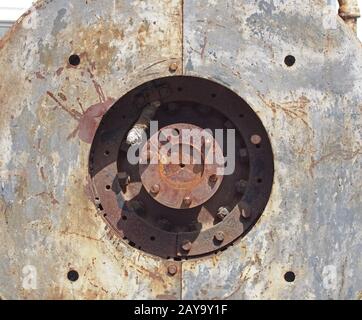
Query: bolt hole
{"points": [[97, 199], [289, 60], [213, 95], [124, 218], [152, 238], [259, 180], [241, 116], [105, 215], [179, 89], [106, 153], [289, 276], [73, 275], [108, 187], [74, 60], [182, 165], [258, 146]]}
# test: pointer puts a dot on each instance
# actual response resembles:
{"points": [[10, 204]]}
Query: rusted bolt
{"points": [[246, 213], [172, 269], [123, 179], [255, 139], [155, 189], [222, 213], [187, 201], [187, 245], [219, 236], [213, 178], [173, 67], [240, 186]]}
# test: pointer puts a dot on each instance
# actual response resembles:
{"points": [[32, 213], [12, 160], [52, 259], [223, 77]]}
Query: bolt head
{"points": [[219, 236], [222, 213], [246, 213], [155, 189], [173, 67], [187, 201], [187, 245], [255, 139], [213, 178], [172, 269]]}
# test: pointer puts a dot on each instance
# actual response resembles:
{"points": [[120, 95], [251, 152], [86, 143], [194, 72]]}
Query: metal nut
{"points": [[213, 178], [222, 213], [219, 236], [187, 201], [246, 213], [155, 189], [172, 269], [255, 139], [173, 67], [187, 245]]}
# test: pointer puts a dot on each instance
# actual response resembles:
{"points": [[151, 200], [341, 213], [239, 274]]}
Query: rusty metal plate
{"points": [[66, 63], [151, 211]]}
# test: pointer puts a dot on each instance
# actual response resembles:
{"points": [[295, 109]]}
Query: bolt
{"points": [[222, 213], [123, 179], [155, 189], [213, 178], [255, 139], [187, 201], [246, 213], [172, 269], [219, 236], [187, 245], [240, 186], [173, 67]]}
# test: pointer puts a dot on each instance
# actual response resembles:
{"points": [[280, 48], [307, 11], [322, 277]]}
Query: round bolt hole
{"points": [[241, 116], [289, 60], [108, 187], [213, 95], [152, 238], [107, 153], [74, 60], [259, 180], [73, 275], [124, 218], [179, 89], [289, 276]]}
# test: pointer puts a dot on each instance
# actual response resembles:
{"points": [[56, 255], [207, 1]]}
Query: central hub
{"points": [[181, 166]]}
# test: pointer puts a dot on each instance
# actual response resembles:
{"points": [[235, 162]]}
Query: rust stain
{"points": [[89, 122], [49, 195], [73, 113], [42, 173], [39, 75], [66, 232], [62, 96], [142, 34], [295, 109], [59, 71]]}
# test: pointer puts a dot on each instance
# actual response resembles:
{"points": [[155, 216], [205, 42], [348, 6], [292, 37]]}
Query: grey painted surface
{"points": [[312, 224]]}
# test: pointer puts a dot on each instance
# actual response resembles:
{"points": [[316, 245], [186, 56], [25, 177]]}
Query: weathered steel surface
{"points": [[50, 111], [312, 111]]}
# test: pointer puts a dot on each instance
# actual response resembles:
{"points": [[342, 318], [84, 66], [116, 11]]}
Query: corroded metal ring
{"points": [[186, 171], [175, 212]]}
